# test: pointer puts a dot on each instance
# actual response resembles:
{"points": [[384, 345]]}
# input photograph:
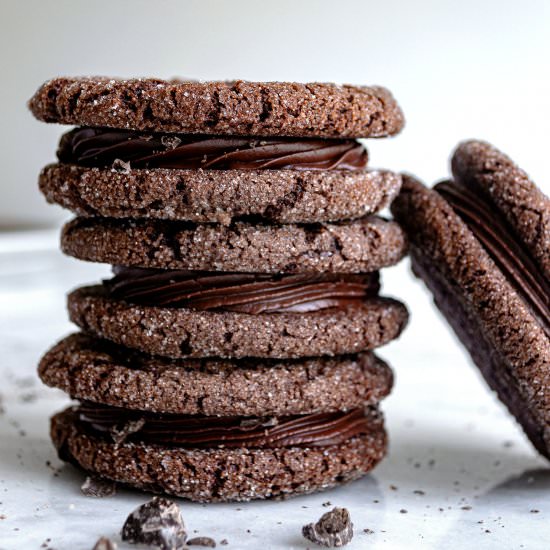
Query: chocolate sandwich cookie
{"points": [[487, 280], [367, 244], [209, 459], [230, 108], [316, 324], [203, 178], [220, 196], [95, 370], [485, 170]]}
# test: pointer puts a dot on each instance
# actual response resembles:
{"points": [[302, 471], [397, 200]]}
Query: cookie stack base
{"points": [[215, 475]]}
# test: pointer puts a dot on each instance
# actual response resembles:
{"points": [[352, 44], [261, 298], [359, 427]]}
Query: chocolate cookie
{"points": [[363, 245], [219, 474], [492, 293], [180, 332], [484, 169], [230, 108], [283, 196], [96, 370]]}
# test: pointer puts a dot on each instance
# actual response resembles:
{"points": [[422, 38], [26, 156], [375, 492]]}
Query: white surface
{"points": [[459, 69], [449, 438]]}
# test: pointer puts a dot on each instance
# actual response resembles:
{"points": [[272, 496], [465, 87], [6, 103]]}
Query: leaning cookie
{"points": [[489, 172], [282, 196], [367, 244], [230, 108], [491, 292], [96, 370], [213, 459]]}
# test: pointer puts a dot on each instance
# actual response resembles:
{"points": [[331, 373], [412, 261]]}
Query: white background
{"points": [[459, 69], [463, 69]]}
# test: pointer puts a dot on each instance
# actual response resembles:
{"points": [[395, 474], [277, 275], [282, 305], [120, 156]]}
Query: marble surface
{"points": [[459, 474]]}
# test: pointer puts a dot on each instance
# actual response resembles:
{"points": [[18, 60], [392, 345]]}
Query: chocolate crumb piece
{"points": [[327, 503], [368, 531], [466, 508], [28, 397], [334, 529], [403, 511], [394, 487], [534, 511], [156, 523], [224, 542], [105, 544], [98, 487], [202, 541], [121, 166], [419, 492]]}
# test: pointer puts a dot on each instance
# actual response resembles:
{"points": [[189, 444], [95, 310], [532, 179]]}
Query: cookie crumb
{"points": [[334, 529], [120, 166], [104, 543], [224, 542], [202, 541], [98, 487], [534, 511], [170, 142], [368, 531], [156, 523], [119, 434], [403, 511]]}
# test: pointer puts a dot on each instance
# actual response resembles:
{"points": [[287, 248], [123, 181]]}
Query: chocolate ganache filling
{"points": [[252, 293], [176, 430], [494, 233], [101, 147]]}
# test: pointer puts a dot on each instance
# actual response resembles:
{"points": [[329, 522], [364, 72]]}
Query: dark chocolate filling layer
{"points": [[102, 147], [174, 430], [492, 231], [252, 293]]}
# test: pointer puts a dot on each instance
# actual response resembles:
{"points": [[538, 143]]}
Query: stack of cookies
{"points": [[229, 356]]}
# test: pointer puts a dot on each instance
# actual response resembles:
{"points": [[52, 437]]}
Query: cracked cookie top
{"points": [[228, 108]]}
